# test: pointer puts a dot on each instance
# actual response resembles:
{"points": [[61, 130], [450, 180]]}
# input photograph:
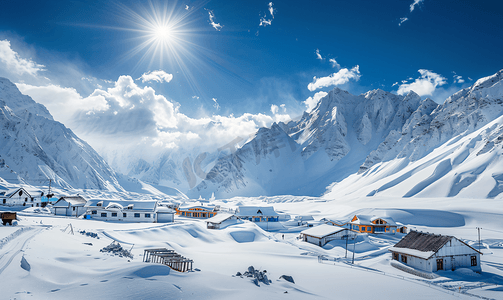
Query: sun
{"points": [[163, 33]]}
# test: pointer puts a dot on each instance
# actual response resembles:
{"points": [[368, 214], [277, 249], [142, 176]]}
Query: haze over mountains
{"points": [[374, 143]]}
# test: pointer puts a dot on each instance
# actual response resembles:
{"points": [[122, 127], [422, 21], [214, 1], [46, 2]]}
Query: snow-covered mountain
{"points": [[374, 135], [35, 148], [449, 150], [303, 157]]}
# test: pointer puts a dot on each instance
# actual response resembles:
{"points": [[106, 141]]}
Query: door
{"points": [[440, 264]]}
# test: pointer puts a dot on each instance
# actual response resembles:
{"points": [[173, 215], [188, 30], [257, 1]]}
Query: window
{"points": [[4, 201], [31, 199], [368, 229], [147, 215], [25, 199], [114, 214], [395, 256], [124, 215], [404, 259], [378, 229], [104, 215], [74, 208], [474, 261], [440, 264], [94, 212], [136, 215]]}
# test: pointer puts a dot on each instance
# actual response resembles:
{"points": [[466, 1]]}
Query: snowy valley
{"points": [[419, 165]]}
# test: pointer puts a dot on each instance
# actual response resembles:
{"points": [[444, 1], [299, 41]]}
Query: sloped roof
{"points": [[219, 218], [367, 220], [70, 201], [322, 230], [74, 200], [250, 211], [203, 207], [423, 241], [12, 192], [137, 204]]}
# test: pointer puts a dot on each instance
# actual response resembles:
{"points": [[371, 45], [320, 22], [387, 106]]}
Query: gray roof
{"points": [[422, 241], [147, 205], [74, 200], [253, 211]]}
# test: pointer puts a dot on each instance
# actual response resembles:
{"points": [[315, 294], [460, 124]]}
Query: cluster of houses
{"points": [[422, 251]]}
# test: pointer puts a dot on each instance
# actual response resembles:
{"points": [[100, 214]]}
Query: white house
{"points": [[221, 220], [373, 224], [257, 213], [22, 196], [431, 252], [70, 206], [322, 234], [126, 211]]}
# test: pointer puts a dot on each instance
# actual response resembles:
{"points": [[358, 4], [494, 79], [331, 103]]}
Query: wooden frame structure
{"points": [[169, 258]]}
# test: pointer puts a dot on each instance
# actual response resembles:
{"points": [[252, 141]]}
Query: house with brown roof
{"points": [[433, 252]]}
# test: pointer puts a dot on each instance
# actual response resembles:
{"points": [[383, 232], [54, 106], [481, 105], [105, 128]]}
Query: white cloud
{"points": [[63, 102], [158, 76], [311, 102], [402, 20], [413, 5], [264, 21], [318, 55], [271, 9], [215, 105], [217, 26], [278, 117], [13, 62], [338, 78], [424, 85], [187, 7], [274, 109], [334, 63]]}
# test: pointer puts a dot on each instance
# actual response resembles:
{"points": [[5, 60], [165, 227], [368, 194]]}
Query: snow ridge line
{"points": [[13, 235]]}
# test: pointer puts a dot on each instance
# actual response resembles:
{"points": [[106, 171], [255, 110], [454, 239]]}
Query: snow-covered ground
{"points": [[41, 259]]}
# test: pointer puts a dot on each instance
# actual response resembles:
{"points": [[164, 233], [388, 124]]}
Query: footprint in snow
{"points": [[84, 284], [177, 287], [104, 280], [52, 291]]}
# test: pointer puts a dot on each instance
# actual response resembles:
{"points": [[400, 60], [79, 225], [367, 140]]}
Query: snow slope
{"points": [[35, 147]]}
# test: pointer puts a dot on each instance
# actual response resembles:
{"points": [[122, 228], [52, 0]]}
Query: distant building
{"points": [[221, 220], [257, 213], [127, 211], [22, 196], [70, 206], [197, 211], [372, 224], [431, 252], [322, 234]]}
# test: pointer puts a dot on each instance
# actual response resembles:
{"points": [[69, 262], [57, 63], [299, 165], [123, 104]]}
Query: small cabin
{"points": [[257, 213], [373, 224], [197, 211], [322, 234], [28, 197], [434, 252], [70, 206], [221, 220]]}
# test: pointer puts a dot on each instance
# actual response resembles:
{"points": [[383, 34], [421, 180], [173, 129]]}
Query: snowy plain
{"points": [[46, 261]]}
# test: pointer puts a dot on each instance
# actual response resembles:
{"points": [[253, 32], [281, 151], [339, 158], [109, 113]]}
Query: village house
{"points": [[70, 206], [433, 252], [22, 196], [221, 220], [373, 224], [322, 234], [197, 211], [257, 213], [127, 211]]}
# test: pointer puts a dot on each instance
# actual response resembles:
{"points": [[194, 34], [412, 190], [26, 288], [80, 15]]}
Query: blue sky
{"points": [[229, 58]]}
